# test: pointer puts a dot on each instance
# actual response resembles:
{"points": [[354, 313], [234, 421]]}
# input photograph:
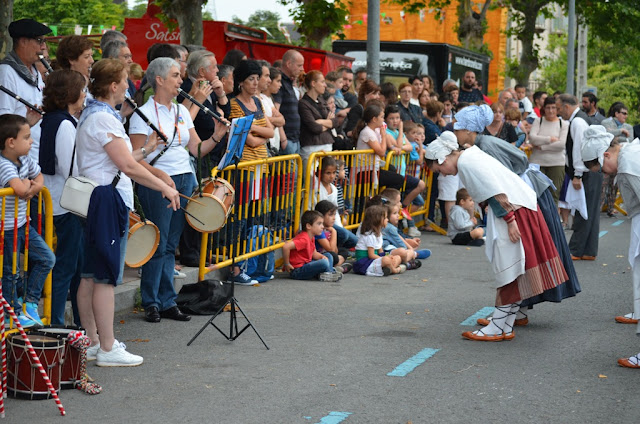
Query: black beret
{"points": [[27, 28], [245, 69]]}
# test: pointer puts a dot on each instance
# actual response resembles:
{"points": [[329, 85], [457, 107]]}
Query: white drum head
{"points": [[141, 245], [212, 214]]}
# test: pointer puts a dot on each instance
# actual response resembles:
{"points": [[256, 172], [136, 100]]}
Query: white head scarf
{"points": [[473, 118], [595, 141], [442, 147]]}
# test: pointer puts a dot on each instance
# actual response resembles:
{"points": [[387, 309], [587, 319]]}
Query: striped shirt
{"points": [[28, 168], [239, 110]]}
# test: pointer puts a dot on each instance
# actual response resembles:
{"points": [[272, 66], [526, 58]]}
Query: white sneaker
{"points": [[117, 357], [414, 232], [92, 351]]}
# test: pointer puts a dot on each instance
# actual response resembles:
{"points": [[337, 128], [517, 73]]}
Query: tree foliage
{"points": [[318, 19], [66, 14], [610, 67], [264, 19], [613, 20]]}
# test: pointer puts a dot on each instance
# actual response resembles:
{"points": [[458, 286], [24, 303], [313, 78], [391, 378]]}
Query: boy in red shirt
{"points": [[300, 256]]}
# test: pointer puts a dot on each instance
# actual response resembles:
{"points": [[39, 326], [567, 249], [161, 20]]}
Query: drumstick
{"points": [[191, 198], [191, 215]]}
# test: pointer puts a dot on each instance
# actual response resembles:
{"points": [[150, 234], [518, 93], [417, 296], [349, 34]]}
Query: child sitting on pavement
{"points": [[463, 227], [300, 256], [327, 242], [412, 238], [370, 257], [393, 244]]}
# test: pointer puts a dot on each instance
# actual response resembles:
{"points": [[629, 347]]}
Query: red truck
{"points": [[220, 37]]}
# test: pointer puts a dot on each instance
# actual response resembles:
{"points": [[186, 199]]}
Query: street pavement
{"points": [[333, 346]]}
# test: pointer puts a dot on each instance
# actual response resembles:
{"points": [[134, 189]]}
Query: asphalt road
{"points": [[334, 344]]}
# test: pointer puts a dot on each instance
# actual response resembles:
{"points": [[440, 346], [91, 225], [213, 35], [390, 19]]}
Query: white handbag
{"points": [[76, 195]]}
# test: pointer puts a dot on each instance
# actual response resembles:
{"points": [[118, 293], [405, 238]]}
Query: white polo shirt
{"points": [[175, 160]]}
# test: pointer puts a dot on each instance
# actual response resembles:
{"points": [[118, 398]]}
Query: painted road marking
{"points": [[334, 417], [615, 224], [602, 233], [410, 364], [482, 313]]}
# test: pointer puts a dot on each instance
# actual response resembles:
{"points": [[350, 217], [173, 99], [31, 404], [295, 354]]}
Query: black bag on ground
{"points": [[204, 297]]}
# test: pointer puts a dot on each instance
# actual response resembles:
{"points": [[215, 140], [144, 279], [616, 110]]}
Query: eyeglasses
{"points": [[40, 40], [406, 92], [624, 113]]}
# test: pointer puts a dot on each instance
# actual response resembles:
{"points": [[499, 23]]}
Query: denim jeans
{"points": [[156, 284], [345, 237], [293, 147], [41, 260], [313, 268], [69, 259]]}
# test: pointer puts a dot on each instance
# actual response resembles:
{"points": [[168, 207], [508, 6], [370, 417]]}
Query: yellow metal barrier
{"points": [[266, 212], [359, 183], [417, 170], [45, 197]]}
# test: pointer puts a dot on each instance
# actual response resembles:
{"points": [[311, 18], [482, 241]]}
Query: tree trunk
{"points": [[6, 16], [188, 13], [190, 23], [529, 56], [472, 25]]}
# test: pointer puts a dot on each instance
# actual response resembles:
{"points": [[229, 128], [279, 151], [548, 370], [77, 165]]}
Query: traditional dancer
{"points": [[519, 246], [623, 160], [468, 127]]}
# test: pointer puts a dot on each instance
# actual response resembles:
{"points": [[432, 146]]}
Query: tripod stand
{"points": [[232, 156]]}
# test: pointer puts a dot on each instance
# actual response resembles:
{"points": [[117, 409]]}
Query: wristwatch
{"points": [[144, 152]]}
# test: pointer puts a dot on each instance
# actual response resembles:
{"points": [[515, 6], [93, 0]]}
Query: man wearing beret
{"points": [[19, 74]]}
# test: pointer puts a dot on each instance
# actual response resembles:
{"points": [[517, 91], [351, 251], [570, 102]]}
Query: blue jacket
{"points": [[107, 219]]}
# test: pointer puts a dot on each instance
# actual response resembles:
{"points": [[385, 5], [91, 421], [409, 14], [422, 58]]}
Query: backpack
{"points": [[261, 267]]}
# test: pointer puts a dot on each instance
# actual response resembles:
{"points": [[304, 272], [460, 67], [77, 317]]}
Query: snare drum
{"points": [[144, 238], [217, 201], [23, 377], [71, 358]]}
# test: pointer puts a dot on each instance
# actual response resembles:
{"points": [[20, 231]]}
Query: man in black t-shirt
{"points": [[469, 94]]}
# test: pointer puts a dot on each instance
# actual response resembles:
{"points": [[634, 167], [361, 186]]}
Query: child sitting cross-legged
{"points": [[300, 256], [393, 244], [463, 227], [370, 256], [327, 242]]}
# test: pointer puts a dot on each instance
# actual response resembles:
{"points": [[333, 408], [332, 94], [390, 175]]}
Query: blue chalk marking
{"points": [[334, 417], [410, 364], [615, 224], [482, 313], [602, 233]]}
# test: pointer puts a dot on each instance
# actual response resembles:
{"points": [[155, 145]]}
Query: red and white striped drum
{"points": [[23, 376]]}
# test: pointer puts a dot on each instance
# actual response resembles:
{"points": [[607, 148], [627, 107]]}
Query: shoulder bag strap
{"points": [[175, 130]]}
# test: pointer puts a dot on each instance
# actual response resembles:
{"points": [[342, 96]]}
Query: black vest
{"points": [[569, 168]]}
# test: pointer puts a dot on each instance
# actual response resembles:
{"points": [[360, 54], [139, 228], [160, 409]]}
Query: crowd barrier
{"points": [[265, 213], [359, 181], [271, 194], [8, 195]]}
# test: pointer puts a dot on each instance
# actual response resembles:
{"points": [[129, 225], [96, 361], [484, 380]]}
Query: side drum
{"points": [[144, 238], [216, 202], [71, 359], [23, 376]]}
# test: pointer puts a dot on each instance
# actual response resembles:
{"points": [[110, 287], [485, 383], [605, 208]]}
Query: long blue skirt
{"points": [[571, 287]]}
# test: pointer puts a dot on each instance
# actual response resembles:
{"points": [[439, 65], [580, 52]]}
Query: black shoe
{"points": [[175, 313], [151, 314]]}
